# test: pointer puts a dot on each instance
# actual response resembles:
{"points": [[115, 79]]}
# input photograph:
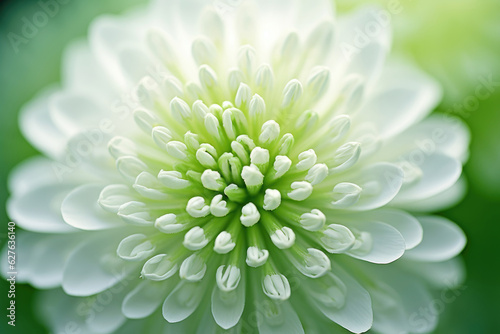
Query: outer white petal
{"points": [[444, 275], [227, 307], [73, 112], [47, 257], [144, 299], [107, 37], [40, 258], [110, 316], [183, 301], [439, 202], [389, 315], [282, 319], [380, 183], [94, 266], [28, 175], [405, 97], [399, 301], [367, 59], [436, 133], [406, 224], [81, 72], [442, 240], [356, 313], [62, 311], [388, 244], [38, 127], [38, 210], [439, 172], [80, 209]]}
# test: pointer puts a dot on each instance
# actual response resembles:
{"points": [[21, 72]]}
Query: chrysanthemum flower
{"points": [[230, 169]]}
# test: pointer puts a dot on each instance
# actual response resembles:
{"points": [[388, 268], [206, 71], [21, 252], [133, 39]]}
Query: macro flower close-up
{"points": [[232, 167]]}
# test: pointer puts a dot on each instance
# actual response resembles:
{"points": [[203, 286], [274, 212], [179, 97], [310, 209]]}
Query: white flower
{"points": [[211, 166]]}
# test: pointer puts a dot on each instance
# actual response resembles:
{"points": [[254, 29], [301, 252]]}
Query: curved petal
{"points": [[356, 312], [379, 182], [437, 133], [65, 312], [439, 202], [207, 323], [406, 224], [74, 112], [279, 317], [38, 210], [405, 97], [145, 298], [26, 243], [227, 306], [94, 266], [107, 37], [81, 72], [108, 316], [359, 53], [446, 275], [389, 316], [439, 172], [385, 243], [403, 306], [81, 209], [48, 256], [441, 241], [38, 127], [27, 175], [183, 301]]}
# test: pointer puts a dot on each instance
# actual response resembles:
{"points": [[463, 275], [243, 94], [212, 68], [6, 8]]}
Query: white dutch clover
{"points": [[208, 161]]}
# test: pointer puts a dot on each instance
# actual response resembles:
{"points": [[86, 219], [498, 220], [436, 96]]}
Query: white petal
{"points": [[159, 268], [38, 127], [144, 299], [110, 316], [88, 271], [368, 61], [445, 275], [107, 37], [436, 133], [27, 175], [183, 301], [38, 210], [81, 209], [227, 307], [349, 27], [442, 240], [406, 224], [441, 201], [399, 301], [62, 311], [113, 196], [81, 72], [405, 97], [73, 113], [40, 258], [387, 244], [279, 317], [48, 257], [439, 172], [148, 186], [380, 183], [356, 313], [135, 247]]}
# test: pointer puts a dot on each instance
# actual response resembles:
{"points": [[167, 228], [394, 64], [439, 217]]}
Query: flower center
{"points": [[239, 168]]}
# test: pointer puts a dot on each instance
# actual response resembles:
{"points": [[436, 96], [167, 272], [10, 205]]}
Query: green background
{"points": [[457, 41]]}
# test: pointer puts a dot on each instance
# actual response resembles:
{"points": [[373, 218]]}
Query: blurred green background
{"points": [[457, 41]]}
